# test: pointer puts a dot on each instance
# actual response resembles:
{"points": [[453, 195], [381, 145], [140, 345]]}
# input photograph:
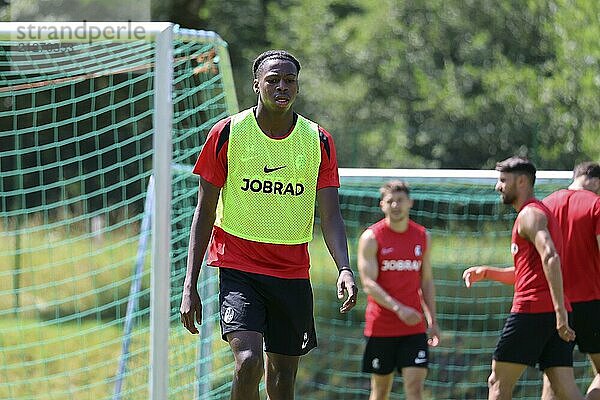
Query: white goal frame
{"points": [[162, 34], [468, 174]]}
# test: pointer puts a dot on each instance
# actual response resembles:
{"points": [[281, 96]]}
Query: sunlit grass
{"points": [[54, 274], [60, 344]]}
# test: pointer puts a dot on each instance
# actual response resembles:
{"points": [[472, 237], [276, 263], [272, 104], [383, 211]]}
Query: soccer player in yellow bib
{"points": [[262, 171]]}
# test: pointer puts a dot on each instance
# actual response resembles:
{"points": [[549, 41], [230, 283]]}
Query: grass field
{"points": [[66, 340]]}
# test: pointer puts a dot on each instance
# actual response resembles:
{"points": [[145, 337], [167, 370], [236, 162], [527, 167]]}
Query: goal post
{"points": [[161, 217], [89, 111]]}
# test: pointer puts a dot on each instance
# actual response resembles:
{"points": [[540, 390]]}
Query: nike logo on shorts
{"points": [[305, 340]]}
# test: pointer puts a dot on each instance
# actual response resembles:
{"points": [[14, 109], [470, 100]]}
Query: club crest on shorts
{"points": [[228, 315], [514, 248], [375, 363]]}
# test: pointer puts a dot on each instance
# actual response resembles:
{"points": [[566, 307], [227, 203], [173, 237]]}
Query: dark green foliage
{"points": [[450, 84]]}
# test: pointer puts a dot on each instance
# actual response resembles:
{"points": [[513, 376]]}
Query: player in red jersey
{"points": [[537, 330], [266, 160], [395, 268], [578, 212]]}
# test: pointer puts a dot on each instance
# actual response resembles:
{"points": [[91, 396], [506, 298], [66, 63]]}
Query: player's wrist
{"points": [[345, 268]]}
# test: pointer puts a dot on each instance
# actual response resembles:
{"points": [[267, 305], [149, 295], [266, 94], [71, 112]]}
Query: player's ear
{"points": [[255, 86]]}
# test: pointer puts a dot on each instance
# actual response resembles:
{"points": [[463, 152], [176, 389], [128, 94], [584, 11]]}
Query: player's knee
{"points": [[566, 391], [379, 393], [496, 386], [413, 389], [283, 375], [249, 366], [492, 380], [593, 394], [380, 388]]}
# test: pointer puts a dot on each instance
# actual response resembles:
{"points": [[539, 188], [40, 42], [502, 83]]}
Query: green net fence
{"points": [[469, 226], [75, 189], [76, 148]]}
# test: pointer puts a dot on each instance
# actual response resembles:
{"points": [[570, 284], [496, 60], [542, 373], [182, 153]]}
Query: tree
{"points": [[445, 83]]}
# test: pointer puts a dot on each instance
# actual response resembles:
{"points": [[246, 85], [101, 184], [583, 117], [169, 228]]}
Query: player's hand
{"points": [[474, 274], [345, 283], [190, 309], [433, 335], [562, 326], [408, 315]]}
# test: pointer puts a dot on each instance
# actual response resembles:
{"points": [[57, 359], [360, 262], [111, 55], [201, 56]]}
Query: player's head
{"points": [[517, 176], [273, 55], [587, 176], [276, 80], [395, 201], [394, 186]]}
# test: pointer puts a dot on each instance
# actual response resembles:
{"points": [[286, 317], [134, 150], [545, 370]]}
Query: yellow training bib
{"points": [[270, 191]]}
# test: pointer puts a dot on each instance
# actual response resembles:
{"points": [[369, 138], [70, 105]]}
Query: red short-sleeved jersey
{"points": [[400, 257], [229, 251], [532, 293], [578, 214]]}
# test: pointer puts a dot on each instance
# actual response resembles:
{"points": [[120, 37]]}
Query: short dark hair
{"points": [[518, 165], [394, 186], [274, 55], [589, 168]]}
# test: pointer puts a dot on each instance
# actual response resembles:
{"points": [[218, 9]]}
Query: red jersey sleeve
{"points": [[328, 170], [212, 161]]}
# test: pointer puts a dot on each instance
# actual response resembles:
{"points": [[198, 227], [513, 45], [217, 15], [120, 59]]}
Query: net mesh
{"points": [[75, 167], [75, 160], [469, 226]]}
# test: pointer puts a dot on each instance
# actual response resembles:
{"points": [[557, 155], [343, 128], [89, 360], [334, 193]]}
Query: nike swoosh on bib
{"points": [[268, 170]]}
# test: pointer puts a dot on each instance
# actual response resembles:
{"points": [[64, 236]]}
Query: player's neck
{"points": [[399, 226], [582, 182], [522, 200], [274, 124]]}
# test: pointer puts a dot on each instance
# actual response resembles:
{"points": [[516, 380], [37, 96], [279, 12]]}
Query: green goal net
{"points": [[469, 226], [79, 180], [80, 117]]}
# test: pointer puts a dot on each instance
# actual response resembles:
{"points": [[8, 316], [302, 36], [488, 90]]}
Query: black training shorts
{"points": [[280, 309], [383, 355], [530, 339], [586, 322]]}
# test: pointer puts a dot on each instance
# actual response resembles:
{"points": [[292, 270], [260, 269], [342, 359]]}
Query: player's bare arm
{"points": [[202, 223], [334, 234], [428, 291], [481, 272], [533, 226], [369, 270]]}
